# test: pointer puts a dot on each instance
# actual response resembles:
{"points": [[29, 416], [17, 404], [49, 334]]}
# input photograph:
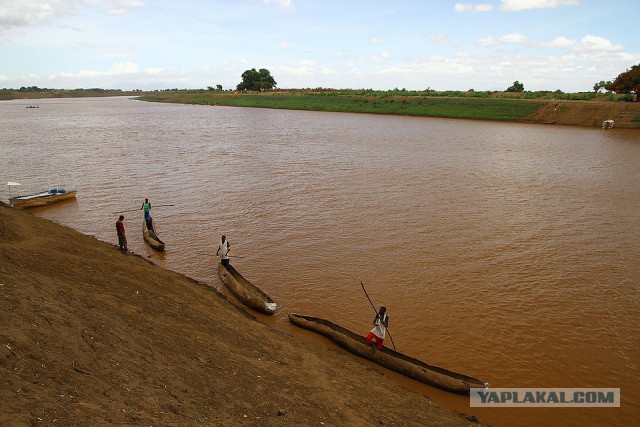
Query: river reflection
{"points": [[507, 252]]}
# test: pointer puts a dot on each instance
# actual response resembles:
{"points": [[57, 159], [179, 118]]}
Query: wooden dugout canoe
{"points": [[432, 375], [151, 238], [248, 293]]}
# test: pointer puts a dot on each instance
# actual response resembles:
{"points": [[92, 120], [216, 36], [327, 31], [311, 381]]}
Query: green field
{"points": [[469, 107]]}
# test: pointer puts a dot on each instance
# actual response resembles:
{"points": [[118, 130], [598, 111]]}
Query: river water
{"points": [[508, 252]]}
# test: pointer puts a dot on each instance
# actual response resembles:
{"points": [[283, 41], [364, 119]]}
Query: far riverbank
{"points": [[590, 113]]}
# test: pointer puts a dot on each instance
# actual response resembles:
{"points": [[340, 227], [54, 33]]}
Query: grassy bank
{"points": [[584, 109], [453, 107], [40, 93]]}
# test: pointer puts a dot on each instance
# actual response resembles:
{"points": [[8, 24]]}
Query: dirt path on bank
{"points": [[93, 337]]}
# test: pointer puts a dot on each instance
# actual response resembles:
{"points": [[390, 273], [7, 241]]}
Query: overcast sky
{"points": [[413, 44]]}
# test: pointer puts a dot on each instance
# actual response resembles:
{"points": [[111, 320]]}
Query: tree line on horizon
{"points": [[261, 80], [627, 82]]}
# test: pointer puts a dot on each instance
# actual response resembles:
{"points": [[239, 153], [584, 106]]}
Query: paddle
{"points": [[133, 210], [376, 310]]}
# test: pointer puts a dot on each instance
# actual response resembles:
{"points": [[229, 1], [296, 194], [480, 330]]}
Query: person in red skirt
{"points": [[381, 323]]}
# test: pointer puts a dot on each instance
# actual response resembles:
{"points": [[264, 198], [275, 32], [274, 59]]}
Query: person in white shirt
{"points": [[381, 323], [223, 250]]}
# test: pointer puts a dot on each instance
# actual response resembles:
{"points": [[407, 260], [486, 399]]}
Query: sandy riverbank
{"points": [[94, 337], [588, 113]]}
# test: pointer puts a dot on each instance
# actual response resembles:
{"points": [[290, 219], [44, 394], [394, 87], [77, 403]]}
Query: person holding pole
{"points": [[223, 251], [381, 323], [146, 205]]}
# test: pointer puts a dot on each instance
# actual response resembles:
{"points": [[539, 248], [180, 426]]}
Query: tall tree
{"points": [[600, 85], [516, 87], [257, 80], [627, 82]]}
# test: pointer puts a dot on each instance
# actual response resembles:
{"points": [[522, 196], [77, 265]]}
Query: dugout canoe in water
{"points": [[248, 293], [432, 375], [151, 237]]}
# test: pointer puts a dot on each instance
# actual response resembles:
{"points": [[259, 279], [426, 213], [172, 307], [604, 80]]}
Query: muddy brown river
{"points": [[508, 252]]}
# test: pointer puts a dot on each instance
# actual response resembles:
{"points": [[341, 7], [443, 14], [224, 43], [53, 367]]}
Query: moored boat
{"points": [[248, 293], [432, 375], [151, 237], [42, 198]]}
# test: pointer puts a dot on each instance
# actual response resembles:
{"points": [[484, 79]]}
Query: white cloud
{"points": [[284, 46], [497, 72], [283, 4], [117, 3], [432, 65], [487, 41], [515, 5], [559, 43], [117, 11], [468, 7], [123, 68], [376, 40], [382, 56], [29, 13], [328, 71], [294, 71], [117, 69], [463, 7], [483, 8], [513, 38], [507, 38], [598, 44], [119, 7], [153, 71]]}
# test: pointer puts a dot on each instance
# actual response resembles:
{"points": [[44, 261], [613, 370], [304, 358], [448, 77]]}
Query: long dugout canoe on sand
{"points": [[152, 238], [432, 375], [248, 293]]}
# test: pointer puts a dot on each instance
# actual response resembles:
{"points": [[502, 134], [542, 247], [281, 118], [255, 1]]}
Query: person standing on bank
{"points": [[381, 323], [122, 240], [223, 251], [146, 205]]}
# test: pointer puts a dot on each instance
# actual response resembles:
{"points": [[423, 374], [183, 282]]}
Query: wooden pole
{"points": [[376, 310]]}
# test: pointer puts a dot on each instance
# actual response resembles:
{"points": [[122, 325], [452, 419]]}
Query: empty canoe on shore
{"points": [[248, 293], [432, 375], [43, 198], [151, 238]]}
